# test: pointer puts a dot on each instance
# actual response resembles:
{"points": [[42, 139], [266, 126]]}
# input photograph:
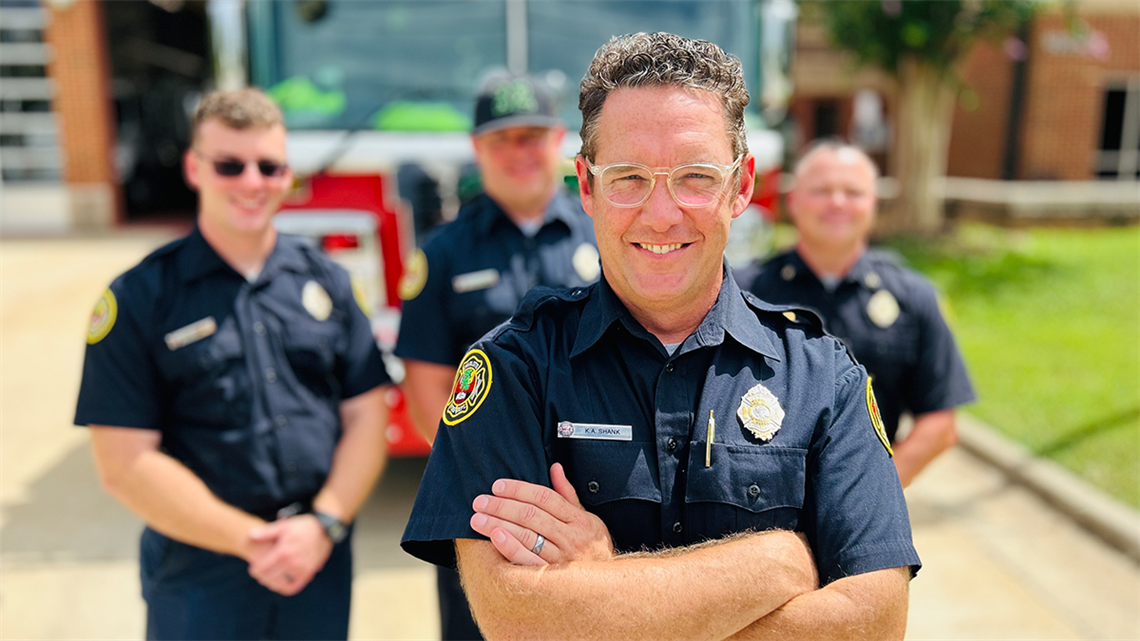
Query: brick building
{"points": [[1062, 104]]}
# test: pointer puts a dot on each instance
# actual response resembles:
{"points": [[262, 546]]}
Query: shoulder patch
{"points": [[472, 383], [102, 317], [877, 419], [415, 276]]}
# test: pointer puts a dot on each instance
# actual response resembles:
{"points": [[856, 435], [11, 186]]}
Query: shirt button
{"points": [[281, 420], [753, 490], [271, 375], [671, 445], [677, 527], [669, 367], [259, 328], [593, 487]]}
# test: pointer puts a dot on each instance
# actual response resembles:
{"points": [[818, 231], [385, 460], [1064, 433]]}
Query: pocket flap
{"points": [[753, 478]]}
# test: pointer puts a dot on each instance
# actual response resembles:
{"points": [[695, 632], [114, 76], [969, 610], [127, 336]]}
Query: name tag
{"points": [[472, 281], [193, 332], [597, 431]]}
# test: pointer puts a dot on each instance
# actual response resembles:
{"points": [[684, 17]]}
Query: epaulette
{"points": [[886, 256], [543, 300], [792, 314]]}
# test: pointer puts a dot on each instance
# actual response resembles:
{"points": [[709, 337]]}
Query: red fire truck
{"points": [[368, 87]]}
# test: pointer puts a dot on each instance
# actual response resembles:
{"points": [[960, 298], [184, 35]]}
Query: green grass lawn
{"points": [[1049, 323]]}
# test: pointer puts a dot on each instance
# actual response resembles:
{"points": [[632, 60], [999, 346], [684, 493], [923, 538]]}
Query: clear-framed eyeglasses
{"points": [[629, 184]]}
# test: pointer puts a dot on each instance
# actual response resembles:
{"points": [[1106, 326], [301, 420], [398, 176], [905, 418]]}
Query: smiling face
{"points": [[833, 202], [519, 165], [241, 205], [661, 256]]}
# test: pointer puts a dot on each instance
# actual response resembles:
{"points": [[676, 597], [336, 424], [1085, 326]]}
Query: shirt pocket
{"points": [[209, 381], [311, 348], [744, 488], [617, 481]]}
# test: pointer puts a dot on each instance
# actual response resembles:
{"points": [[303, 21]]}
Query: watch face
{"points": [[335, 530]]}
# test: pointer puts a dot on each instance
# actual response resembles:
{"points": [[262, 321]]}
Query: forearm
{"points": [[427, 387], [359, 457], [933, 433], [865, 606], [707, 591], [175, 502]]}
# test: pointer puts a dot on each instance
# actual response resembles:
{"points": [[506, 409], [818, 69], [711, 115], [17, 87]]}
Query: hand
{"points": [[297, 549], [518, 512]]}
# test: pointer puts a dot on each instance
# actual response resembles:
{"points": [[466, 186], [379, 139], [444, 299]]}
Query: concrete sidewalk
{"points": [[999, 562]]}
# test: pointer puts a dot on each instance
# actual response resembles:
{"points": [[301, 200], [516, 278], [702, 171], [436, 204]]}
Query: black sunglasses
{"points": [[231, 167]]}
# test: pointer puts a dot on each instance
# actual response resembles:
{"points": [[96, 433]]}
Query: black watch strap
{"points": [[335, 529]]}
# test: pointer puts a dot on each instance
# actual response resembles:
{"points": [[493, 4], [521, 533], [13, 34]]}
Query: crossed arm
{"points": [[283, 555], [750, 586]]}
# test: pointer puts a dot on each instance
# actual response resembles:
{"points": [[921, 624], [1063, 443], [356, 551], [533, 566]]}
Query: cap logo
{"points": [[512, 97]]}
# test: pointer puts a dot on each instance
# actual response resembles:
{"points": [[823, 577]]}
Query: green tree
{"points": [[920, 43]]}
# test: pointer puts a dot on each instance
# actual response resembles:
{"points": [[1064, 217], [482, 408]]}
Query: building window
{"points": [[1119, 152]]}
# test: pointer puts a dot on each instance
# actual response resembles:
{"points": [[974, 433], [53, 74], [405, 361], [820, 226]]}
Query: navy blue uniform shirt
{"points": [[475, 271], [888, 316], [242, 379], [573, 367]]}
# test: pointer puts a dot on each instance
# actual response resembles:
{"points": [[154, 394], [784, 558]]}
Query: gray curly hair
{"points": [[661, 59]]}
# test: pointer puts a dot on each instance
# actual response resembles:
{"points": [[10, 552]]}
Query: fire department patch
{"points": [[102, 317], [415, 276], [877, 419], [472, 382]]}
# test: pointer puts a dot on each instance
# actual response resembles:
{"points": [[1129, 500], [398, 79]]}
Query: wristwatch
{"points": [[335, 529]]}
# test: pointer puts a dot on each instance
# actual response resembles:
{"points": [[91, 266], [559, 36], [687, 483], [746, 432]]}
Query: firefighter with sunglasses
{"points": [[234, 393]]}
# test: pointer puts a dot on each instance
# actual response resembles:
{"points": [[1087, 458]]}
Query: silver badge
{"points": [[788, 272], [586, 262], [883, 309], [316, 300], [760, 412]]}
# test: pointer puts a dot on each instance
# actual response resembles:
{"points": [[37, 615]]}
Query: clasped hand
{"points": [[516, 513], [288, 553]]}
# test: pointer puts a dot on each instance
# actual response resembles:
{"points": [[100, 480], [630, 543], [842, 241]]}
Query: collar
{"points": [[491, 214], [198, 259], [855, 274], [730, 315]]}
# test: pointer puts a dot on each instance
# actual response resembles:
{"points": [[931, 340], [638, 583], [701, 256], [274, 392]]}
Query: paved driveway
{"points": [[999, 564]]}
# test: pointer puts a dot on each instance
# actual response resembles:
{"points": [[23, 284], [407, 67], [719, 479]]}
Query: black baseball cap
{"points": [[514, 101]]}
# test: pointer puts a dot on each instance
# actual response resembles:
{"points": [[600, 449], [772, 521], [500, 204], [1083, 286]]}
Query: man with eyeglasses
{"points": [[661, 455], [234, 393], [524, 230]]}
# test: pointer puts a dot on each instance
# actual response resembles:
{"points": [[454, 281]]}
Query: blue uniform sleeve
{"points": [[425, 331], [120, 384], [859, 516], [481, 439], [360, 367], [940, 379]]}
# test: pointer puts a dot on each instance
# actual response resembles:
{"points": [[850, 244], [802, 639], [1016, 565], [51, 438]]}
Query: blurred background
{"points": [[1007, 132]]}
